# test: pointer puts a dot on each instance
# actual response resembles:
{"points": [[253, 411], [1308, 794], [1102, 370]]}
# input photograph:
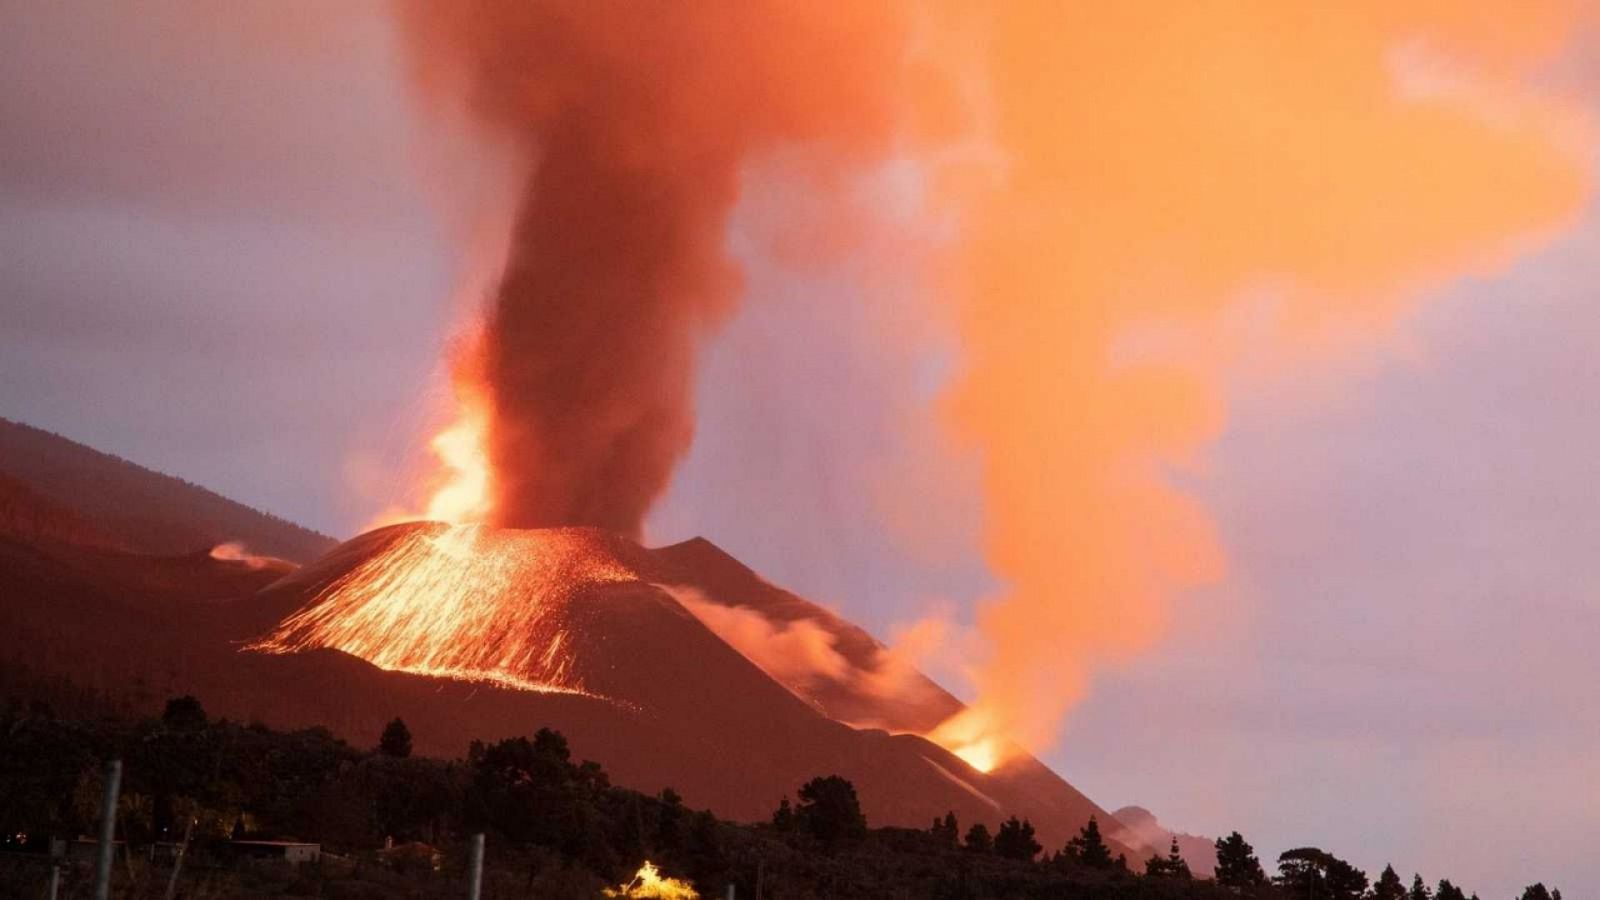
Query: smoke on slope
{"points": [[638, 121]]}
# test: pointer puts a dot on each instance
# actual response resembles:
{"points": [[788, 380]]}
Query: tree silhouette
{"points": [[1237, 865], [184, 714], [396, 739], [1419, 890], [1015, 840], [1388, 886], [830, 811], [1172, 866], [783, 818], [1313, 874], [1539, 892], [978, 839], [946, 831], [1448, 891], [1089, 849]]}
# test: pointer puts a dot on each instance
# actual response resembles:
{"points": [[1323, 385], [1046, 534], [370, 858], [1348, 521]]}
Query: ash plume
{"points": [[636, 121], [1184, 187]]}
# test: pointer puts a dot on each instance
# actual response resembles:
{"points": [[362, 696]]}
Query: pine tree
{"points": [[1419, 890], [1089, 849], [1237, 865], [396, 740], [1155, 866], [1448, 891], [830, 810], [1176, 867], [1388, 886], [978, 839], [1537, 892], [1015, 840], [783, 818]]}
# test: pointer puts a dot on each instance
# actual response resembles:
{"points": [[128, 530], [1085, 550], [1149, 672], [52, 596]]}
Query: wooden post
{"points": [[55, 878], [108, 830], [475, 869]]}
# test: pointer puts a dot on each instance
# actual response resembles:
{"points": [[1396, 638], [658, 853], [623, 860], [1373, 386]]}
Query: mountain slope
{"points": [[653, 686], [138, 509]]}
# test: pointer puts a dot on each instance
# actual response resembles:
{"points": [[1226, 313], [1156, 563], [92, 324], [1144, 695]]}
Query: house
{"points": [[294, 852]]}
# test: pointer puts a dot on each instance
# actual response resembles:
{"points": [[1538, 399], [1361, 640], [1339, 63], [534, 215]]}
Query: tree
{"points": [[1448, 891], [1419, 890], [830, 811], [1171, 867], [1237, 865], [1388, 886], [1307, 872], [1089, 849], [978, 839], [1015, 840], [1538, 892], [783, 818], [184, 714], [396, 739], [946, 831]]}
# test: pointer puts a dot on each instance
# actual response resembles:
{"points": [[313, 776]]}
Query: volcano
{"points": [[669, 666]]}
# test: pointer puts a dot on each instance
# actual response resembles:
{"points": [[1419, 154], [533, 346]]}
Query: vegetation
{"points": [[556, 827]]}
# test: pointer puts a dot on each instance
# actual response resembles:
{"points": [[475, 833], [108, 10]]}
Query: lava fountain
{"points": [[465, 601]]}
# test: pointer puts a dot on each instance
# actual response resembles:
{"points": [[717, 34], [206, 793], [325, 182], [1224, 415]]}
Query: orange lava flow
{"points": [[465, 602]]}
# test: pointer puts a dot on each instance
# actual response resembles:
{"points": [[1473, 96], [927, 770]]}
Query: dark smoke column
{"points": [[638, 119]]}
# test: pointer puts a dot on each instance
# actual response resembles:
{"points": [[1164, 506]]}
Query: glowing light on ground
{"points": [[466, 602], [649, 883]]}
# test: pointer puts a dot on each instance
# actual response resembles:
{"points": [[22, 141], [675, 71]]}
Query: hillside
{"points": [[658, 660], [129, 506]]}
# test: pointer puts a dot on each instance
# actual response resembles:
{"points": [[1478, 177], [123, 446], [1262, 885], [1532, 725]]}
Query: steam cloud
{"points": [[637, 120]]}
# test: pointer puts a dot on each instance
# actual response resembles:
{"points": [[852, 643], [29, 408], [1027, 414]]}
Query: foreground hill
{"points": [[113, 501]]}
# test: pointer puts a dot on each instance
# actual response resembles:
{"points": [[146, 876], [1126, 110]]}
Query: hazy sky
{"points": [[217, 259]]}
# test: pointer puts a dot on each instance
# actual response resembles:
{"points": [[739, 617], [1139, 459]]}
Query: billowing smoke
{"points": [[1143, 193], [1179, 185], [637, 121]]}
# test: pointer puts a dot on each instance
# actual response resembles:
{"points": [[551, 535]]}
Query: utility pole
{"points": [[475, 868], [108, 830]]}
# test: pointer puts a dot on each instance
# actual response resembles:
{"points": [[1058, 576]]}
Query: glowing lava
{"points": [[464, 495], [648, 883], [467, 602], [972, 736]]}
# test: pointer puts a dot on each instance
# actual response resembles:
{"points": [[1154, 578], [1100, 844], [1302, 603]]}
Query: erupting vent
{"points": [[460, 601]]}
